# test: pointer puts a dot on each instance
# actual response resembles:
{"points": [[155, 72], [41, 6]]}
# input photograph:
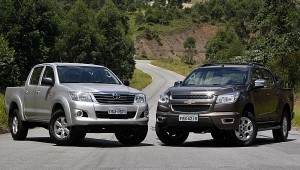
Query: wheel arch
{"points": [[17, 104], [249, 107], [62, 103]]}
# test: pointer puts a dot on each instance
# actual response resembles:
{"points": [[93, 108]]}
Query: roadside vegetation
{"points": [[140, 79], [175, 64], [296, 121], [3, 116]]}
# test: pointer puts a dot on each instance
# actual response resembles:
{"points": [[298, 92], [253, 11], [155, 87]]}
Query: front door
{"points": [[44, 96]]}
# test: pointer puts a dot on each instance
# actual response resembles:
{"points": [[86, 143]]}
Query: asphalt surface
{"points": [[103, 151]]}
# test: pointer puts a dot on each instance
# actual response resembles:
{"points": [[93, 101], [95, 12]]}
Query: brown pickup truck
{"points": [[231, 101]]}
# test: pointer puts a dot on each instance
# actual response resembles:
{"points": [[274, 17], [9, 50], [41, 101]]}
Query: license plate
{"points": [[188, 118], [117, 110]]}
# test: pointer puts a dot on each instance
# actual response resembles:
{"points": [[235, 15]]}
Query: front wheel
{"points": [[171, 137], [59, 131], [17, 127], [246, 133], [132, 136], [281, 135]]}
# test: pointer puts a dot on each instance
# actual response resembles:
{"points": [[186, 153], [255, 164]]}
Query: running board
{"points": [[269, 128]]}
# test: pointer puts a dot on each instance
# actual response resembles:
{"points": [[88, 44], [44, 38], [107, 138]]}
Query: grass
{"points": [[140, 79], [174, 26], [175, 64], [3, 116], [296, 120]]}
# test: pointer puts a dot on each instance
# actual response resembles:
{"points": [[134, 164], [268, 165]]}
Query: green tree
{"points": [[30, 27], [8, 68], [224, 45], [278, 28], [190, 47], [80, 40], [277, 38], [119, 48]]}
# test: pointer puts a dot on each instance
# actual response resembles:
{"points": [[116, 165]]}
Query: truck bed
{"points": [[13, 94]]}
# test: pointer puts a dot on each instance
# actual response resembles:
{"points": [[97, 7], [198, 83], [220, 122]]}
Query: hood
{"points": [[211, 90], [104, 88]]}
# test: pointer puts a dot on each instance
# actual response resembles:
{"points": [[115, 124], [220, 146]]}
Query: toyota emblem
{"points": [[116, 96]]}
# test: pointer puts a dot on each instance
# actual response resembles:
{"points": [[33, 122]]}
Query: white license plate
{"points": [[117, 110], [188, 118]]}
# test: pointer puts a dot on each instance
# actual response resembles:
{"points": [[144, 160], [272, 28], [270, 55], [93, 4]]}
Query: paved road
{"points": [[103, 151]]}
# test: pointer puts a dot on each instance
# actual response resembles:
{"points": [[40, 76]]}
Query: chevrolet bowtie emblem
{"points": [[189, 102]]}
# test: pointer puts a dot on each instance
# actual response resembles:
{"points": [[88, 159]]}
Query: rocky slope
{"points": [[171, 44]]}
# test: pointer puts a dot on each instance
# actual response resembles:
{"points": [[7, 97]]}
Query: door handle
{"points": [[38, 92], [50, 94], [26, 92]]}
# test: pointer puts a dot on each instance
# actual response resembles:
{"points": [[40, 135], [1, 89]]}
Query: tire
{"points": [[17, 127], [218, 135], [59, 132], [132, 136], [171, 137], [245, 135], [281, 135]]}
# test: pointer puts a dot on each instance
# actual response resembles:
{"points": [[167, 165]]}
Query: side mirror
{"points": [[126, 82], [259, 83], [177, 83], [47, 81]]}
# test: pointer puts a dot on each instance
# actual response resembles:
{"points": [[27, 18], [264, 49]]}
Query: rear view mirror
{"points": [[48, 81], [177, 83], [126, 82], [259, 83]]}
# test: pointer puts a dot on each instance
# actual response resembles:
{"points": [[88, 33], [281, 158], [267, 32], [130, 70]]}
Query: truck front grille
{"points": [[190, 108], [191, 97], [105, 115], [115, 98]]}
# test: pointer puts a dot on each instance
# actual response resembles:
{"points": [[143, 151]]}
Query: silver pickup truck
{"points": [[74, 99]]}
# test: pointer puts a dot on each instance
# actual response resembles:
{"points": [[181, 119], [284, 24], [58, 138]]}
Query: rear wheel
{"points": [[281, 135], [132, 136], [17, 127], [59, 131], [171, 137], [246, 133]]}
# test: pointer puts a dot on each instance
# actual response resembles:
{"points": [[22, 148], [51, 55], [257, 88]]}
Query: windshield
{"points": [[86, 74], [217, 77]]}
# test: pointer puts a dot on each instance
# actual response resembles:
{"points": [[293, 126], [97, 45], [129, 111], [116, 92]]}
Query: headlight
{"points": [[81, 96], [140, 98], [228, 98], [163, 98]]}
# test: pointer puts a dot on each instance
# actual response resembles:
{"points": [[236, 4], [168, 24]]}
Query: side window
{"points": [[268, 77], [49, 73], [35, 76], [256, 74]]}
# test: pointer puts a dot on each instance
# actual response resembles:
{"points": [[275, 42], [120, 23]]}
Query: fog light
{"points": [[227, 121], [79, 113]]}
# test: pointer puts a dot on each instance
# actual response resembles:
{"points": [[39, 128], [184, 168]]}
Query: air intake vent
{"points": [[191, 97], [190, 108]]}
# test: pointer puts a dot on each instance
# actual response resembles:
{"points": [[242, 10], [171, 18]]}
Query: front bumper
{"points": [[220, 120], [141, 116]]}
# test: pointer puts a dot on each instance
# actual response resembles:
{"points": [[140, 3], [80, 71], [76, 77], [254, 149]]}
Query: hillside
{"points": [[171, 44]]}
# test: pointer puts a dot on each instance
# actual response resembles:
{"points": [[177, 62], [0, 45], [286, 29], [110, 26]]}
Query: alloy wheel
{"points": [[245, 130], [61, 129]]}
